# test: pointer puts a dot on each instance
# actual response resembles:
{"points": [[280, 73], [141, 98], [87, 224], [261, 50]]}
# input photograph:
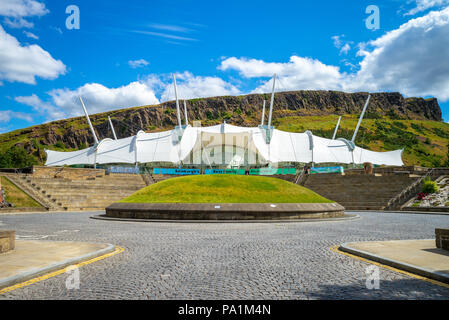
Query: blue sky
{"points": [[125, 51]]}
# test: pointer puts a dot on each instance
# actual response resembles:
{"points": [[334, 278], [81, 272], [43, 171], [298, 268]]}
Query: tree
{"points": [[17, 157]]}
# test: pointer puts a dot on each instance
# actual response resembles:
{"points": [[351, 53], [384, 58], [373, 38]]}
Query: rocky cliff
{"points": [[238, 110]]}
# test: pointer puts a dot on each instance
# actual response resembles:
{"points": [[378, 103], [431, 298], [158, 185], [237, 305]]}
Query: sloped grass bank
{"points": [[17, 196], [225, 189]]}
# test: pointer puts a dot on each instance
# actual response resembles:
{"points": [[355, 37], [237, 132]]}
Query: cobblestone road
{"points": [[227, 260]]}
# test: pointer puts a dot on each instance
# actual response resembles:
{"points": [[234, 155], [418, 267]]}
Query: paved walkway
{"points": [[227, 260], [34, 258], [417, 256]]}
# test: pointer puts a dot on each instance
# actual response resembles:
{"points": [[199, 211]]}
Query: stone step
{"points": [[358, 196], [356, 202], [88, 185], [351, 183], [354, 191], [89, 190], [100, 205], [364, 207], [358, 185]]}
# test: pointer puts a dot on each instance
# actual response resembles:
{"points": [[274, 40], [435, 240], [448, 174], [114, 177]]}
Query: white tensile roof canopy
{"points": [[224, 145]]}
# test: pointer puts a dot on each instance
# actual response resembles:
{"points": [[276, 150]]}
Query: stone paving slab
{"points": [[421, 257], [196, 261], [31, 259]]}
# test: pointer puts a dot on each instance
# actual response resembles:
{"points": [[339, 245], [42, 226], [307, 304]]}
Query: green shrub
{"points": [[429, 186], [17, 157], [399, 125], [209, 115], [59, 144], [226, 115], [82, 145]]}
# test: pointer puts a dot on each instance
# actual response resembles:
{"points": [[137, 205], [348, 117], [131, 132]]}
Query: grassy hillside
{"points": [[225, 189], [392, 122], [425, 142]]}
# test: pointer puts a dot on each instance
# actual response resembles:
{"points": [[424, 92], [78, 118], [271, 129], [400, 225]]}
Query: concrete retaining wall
{"points": [[66, 173], [426, 209], [224, 211], [7, 240], [442, 238]]}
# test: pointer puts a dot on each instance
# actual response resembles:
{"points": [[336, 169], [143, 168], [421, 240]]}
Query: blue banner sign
{"points": [[272, 171], [225, 171], [327, 170], [117, 169], [175, 171]]}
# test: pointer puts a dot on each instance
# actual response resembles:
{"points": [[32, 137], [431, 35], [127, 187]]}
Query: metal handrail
{"points": [[300, 175], [408, 189], [149, 176]]}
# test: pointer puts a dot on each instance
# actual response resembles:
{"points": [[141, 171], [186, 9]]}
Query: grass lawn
{"points": [[16, 196], [224, 188]]}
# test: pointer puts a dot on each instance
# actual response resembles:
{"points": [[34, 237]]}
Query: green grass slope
{"points": [[225, 189], [425, 142], [16, 196]]}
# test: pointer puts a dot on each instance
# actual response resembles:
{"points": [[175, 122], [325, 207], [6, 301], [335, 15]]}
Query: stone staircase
{"points": [[162, 177], [360, 191], [92, 193]]}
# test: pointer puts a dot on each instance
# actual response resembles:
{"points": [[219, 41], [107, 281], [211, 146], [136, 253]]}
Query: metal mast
{"points": [[336, 128], [360, 119], [185, 113], [177, 102], [88, 121], [112, 128], [272, 101], [263, 113]]}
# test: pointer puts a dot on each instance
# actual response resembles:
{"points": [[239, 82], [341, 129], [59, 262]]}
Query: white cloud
{"points": [[57, 29], [42, 108], [190, 86], [170, 27], [345, 49], [64, 103], [298, 73], [7, 115], [18, 23], [22, 8], [412, 59], [99, 98], [138, 63], [24, 63], [164, 35], [423, 5], [340, 43], [31, 35]]}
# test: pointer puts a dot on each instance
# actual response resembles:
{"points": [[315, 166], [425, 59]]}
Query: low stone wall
{"points": [[393, 170], [442, 238], [225, 211], [7, 240], [426, 209], [67, 173]]}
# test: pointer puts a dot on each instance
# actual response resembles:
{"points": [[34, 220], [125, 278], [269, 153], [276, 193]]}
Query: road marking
{"points": [[336, 250], [61, 271]]}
